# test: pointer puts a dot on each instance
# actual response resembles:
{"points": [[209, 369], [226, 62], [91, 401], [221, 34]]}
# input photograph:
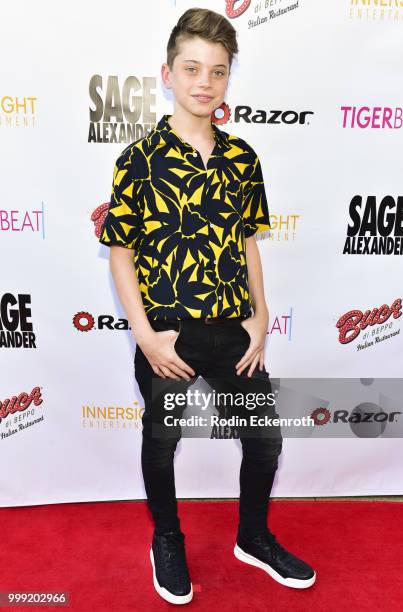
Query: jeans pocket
{"points": [[243, 330], [164, 324], [180, 330]]}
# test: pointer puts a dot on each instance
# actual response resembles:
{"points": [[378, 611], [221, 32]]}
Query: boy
{"points": [[188, 200]]}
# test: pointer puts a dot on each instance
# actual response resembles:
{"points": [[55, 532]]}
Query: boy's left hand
{"points": [[256, 326]]}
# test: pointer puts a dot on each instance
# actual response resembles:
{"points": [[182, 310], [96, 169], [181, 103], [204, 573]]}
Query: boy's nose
{"points": [[204, 79]]}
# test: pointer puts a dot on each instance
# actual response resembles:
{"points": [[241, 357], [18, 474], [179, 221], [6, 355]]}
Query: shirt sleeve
{"points": [[255, 209], [122, 222]]}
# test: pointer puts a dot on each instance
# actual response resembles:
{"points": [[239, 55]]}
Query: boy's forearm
{"points": [[127, 287], [255, 275]]}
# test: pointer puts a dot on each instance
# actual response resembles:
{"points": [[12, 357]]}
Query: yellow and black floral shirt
{"points": [[186, 223]]}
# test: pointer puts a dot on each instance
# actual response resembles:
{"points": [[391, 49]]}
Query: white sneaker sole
{"points": [[290, 582], [164, 593]]}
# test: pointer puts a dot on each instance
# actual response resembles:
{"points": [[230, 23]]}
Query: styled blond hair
{"points": [[207, 24]]}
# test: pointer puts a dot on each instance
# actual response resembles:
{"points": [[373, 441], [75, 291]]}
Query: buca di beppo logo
{"points": [[353, 322], [20, 402], [16, 329], [233, 12], [98, 217], [121, 112], [263, 12]]}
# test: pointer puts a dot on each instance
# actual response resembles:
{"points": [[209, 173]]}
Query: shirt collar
{"points": [[164, 129]]}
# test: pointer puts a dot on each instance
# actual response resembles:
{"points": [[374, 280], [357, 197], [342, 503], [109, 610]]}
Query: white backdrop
{"points": [[82, 441]]}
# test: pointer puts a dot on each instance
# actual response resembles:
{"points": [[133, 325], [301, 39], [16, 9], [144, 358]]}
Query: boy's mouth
{"points": [[203, 98]]}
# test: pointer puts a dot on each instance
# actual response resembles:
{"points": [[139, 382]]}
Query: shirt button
{"points": [[219, 297], [215, 261], [194, 154], [211, 225]]}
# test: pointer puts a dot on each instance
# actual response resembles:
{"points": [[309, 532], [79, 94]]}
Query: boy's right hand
{"points": [[158, 347]]}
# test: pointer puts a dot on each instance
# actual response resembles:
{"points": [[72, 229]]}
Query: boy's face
{"points": [[200, 69]]}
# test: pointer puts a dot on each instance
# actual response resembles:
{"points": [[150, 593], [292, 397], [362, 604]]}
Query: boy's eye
{"points": [[218, 72]]}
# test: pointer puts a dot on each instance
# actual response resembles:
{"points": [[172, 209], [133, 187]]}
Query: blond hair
{"points": [[206, 24]]}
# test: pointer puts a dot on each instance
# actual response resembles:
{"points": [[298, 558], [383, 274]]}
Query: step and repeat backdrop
{"points": [[316, 90]]}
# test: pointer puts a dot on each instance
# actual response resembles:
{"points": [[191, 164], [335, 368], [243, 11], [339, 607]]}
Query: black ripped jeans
{"points": [[212, 350]]}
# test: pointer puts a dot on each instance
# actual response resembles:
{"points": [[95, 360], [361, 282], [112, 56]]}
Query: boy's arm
{"points": [[127, 286], [160, 352], [256, 325], [256, 221], [255, 275]]}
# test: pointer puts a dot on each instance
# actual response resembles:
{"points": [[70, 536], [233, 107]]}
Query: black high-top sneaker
{"points": [[170, 571], [263, 551]]}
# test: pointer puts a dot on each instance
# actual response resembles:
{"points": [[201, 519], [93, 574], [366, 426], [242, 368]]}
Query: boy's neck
{"points": [[191, 128]]}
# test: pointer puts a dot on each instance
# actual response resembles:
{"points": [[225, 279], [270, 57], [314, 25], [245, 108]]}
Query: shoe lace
{"points": [[268, 540], [172, 543]]}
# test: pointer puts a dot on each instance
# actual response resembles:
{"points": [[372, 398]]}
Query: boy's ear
{"points": [[165, 75]]}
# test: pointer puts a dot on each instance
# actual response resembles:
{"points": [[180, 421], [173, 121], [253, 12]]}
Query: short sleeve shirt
{"points": [[187, 223]]}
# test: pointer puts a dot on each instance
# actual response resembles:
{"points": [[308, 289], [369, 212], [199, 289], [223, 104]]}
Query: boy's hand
{"points": [[256, 326], [158, 347]]}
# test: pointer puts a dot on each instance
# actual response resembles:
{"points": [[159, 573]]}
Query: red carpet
{"points": [[99, 552]]}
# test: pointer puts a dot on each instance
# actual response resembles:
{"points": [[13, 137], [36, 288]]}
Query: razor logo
{"points": [[273, 117], [359, 414], [245, 113], [85, 322]]}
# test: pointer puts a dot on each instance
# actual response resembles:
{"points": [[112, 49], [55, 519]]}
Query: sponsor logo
{"points": [[17, 409], [283, 227], [17, 111], [377, 117], [112, 417], [246, 114], [360, 414], [264, 10], [353, 322], [20, 402], [121, 111], [16, 329], [376, 10], [233, 12], [98, 217], [367, 420], [375, 229], [281, 325], [85, 322], [27, 221]]}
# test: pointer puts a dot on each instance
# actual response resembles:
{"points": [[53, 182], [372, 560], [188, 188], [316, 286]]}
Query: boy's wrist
{"points": [[145, 335], [261, 312]]}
